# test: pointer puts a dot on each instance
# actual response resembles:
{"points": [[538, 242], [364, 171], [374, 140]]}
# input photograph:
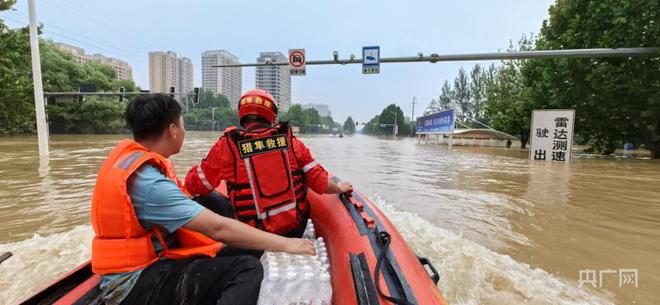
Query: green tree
{"points": [[60, 73], [443, 102], [16, 96], [313, 121], [349, 126], [508, 107], [372, 127], [295, 116], [616, 99], [461, 96], [94, 116], [209, 99], [382, 124], [445, 98], [477, 92], [6, 4], [212, 112]]}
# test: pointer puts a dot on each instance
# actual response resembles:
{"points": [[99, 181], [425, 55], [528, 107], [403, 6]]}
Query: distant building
{"points": [[167, 70], [322, 109], [123, 69], [275, 79], [226, 81], [185, 75]]}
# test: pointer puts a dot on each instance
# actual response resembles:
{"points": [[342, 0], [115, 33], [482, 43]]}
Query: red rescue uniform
{"points": [[267, 171]]}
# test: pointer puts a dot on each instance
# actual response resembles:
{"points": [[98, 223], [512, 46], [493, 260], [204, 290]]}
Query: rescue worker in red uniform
{"points": [[267, 170], [153, 244]]}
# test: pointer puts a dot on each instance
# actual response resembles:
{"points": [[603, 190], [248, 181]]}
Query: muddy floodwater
{"points": [[499, 228]]}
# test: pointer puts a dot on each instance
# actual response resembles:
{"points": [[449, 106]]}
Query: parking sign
{"points": [[371, 60]]}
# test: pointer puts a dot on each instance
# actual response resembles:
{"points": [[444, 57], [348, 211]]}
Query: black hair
{"points": [[254, 118], [149, 115]]}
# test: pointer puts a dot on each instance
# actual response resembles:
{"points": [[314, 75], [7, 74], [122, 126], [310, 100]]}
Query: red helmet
{"points": [[258, 102]]}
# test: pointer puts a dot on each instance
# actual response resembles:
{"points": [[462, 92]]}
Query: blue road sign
{"points": [[437, 123], [371, 60]]}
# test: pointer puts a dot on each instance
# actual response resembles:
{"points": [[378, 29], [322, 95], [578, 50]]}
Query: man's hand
{"points": [[237, 234], [342, 187], [345, 187], [299, 246]]}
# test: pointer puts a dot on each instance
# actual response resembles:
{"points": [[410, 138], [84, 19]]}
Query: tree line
{"points": [[617, 100], [98, 114], [383, 123], [60, 73], [309, 120]]}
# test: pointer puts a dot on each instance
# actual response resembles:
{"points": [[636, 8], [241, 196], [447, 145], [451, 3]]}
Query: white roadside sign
{"points": [[297, 61], [551, 135]]}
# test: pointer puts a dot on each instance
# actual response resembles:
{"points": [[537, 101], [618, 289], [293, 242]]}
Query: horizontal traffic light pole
{"points": [[433, 58], [49, 94]]}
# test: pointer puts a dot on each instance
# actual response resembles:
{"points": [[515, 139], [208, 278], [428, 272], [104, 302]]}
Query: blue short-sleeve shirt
{"points": [[160, 204]]}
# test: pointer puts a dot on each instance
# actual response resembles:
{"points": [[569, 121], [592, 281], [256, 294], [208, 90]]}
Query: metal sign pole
{"points": [[39, 105], [433, 58]]}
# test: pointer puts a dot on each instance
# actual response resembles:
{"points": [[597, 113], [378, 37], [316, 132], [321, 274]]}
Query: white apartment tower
{"points": [[276, 80], [185, 75], [167, 70], [226, 81]]}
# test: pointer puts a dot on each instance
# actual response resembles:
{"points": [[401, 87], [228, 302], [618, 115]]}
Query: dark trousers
{"points": [[232, 277], [221, 205], [223, 280]]}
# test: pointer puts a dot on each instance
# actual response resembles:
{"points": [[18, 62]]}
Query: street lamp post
{"points": [[412, 118], [395, 129], [39, 105], [213, 118]]}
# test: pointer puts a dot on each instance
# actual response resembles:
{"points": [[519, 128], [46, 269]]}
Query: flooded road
{"points": [[500, 229]]}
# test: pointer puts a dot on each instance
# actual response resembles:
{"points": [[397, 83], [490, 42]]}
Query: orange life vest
{"points": [[121, 244], [268, 190]]}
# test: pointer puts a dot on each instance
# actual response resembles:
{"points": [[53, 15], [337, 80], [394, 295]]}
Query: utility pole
{"points": [[412, 118], [39, 107], [213, 118]]}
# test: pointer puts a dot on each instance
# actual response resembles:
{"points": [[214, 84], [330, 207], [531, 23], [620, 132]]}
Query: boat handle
{"points": [[426, 262]]}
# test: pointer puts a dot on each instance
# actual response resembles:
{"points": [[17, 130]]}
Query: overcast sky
{"points": [[128, 30]]}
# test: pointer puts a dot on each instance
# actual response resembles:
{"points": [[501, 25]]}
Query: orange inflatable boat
{"points": [[370, 263]]}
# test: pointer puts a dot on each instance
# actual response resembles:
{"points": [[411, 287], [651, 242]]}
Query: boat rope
{"points": [[386, 240]]}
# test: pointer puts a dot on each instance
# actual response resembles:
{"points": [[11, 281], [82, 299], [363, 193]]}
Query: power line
{"points": [[50, 26], [67, 37], [105, 25]]}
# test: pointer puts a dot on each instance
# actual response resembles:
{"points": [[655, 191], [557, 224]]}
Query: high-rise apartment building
{"points": [[275, 79], [167, 70], [226, 81], [185, 75], [123, 69], [163, 71]]}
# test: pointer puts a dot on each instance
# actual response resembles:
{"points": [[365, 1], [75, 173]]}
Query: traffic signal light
{"points": [[121, 94], [195, 96], [172, 92]]}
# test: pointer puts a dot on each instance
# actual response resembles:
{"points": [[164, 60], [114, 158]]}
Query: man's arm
{"points": [[339, 188], [316, 177], [237, 234], [158, 201], [205, 177]]}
